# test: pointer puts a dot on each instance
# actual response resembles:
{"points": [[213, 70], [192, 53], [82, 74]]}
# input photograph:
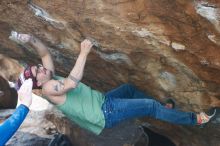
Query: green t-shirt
{"points": [[83, 106]]}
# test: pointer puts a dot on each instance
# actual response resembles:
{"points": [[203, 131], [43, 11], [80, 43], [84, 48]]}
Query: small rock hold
{"points": [[177, 46]]}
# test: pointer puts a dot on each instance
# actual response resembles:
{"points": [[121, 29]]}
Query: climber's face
{"points": [[41, 74]]}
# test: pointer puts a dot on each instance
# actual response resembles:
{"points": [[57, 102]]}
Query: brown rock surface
{"points": [[127, 133], [8, 96], [167, 48]]}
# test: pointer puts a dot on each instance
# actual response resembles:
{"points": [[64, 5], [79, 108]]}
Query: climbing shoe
{"points": [[203, 118]]}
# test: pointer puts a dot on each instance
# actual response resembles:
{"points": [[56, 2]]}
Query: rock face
{"points": [[8, 96], [10, 68], [167, 48], [127, 133], [35, 130]]}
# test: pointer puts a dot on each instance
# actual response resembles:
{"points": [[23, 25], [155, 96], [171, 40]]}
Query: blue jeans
{"points": [[127, 102]]}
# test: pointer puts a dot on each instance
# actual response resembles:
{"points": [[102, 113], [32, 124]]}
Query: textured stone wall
{"points": [[165, 47], [8, 96]]}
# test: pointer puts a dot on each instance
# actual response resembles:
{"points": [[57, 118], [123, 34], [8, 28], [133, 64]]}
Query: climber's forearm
{"points": [[41, 49], [78, 69], [43, 52]]}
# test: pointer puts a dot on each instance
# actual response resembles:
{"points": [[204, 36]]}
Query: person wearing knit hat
{"points": [[26, 75], [92, 109], [39, 74]]}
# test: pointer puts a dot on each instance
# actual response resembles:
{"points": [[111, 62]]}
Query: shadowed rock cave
{"points": [[151, 138], [166, 48]]}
